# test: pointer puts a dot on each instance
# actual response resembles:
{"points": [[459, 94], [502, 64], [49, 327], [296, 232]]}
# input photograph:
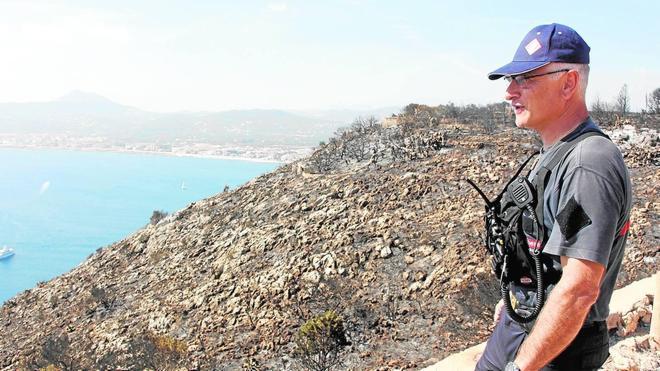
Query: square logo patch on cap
{"points": [[533, 46]]}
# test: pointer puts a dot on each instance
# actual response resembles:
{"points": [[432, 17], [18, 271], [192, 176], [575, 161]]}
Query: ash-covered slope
{"points": [[392, 246]]}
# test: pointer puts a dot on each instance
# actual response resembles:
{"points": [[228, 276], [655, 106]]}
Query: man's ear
{"points": [[571, 84]]}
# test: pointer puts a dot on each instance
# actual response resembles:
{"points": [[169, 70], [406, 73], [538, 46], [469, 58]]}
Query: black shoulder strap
{"points": [[542, 176]]}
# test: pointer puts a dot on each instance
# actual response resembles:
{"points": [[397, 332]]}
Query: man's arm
{"points": [[563, 313]]}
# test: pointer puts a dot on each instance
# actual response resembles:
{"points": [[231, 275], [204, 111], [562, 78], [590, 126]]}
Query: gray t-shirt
{"points": [[587, 207]]}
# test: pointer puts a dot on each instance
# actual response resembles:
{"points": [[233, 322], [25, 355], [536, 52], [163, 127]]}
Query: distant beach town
{"points": [[238, 151]]}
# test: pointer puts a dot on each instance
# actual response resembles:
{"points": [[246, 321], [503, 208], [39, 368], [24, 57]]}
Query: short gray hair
{"points": [[582, 70]]}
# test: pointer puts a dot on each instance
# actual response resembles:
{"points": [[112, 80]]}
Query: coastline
{"points": [[150, 152]]}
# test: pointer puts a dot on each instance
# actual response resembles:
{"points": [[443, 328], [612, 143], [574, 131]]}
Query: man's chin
{"points": [[521, 123], [522, 120]]}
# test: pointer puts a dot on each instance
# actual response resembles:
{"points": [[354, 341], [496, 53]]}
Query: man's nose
{"points": [[512, 91]]}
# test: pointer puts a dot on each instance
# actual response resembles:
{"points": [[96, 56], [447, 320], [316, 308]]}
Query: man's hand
{"points": [[498, 311]]}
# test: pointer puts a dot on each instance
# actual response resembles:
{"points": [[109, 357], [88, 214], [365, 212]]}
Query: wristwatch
{"points": [[511, 367]]}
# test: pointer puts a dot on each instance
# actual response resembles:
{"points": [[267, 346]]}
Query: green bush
{"points": [[319, 342]]}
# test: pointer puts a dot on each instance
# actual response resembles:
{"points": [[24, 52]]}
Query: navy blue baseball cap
{"points": [[545, 44]]}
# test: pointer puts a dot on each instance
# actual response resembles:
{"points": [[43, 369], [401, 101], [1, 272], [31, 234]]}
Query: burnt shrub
{"points": [[157, 216]]}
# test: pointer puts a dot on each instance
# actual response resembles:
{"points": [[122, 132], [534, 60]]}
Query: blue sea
{"points": [[57, 207]]}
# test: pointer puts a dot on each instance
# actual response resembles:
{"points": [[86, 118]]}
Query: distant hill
{"points": [[256, 126], [82, 114], [76, 113], [348, 115]]}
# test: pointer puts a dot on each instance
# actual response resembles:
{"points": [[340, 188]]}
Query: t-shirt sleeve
{"points": [[587, 215]]}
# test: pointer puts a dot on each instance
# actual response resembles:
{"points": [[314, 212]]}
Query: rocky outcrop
{"points": [[633, 354], [631, 314], [393, 247], [631, 306]]}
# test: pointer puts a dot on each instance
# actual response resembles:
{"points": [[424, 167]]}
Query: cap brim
{"points": [[515, 68]]}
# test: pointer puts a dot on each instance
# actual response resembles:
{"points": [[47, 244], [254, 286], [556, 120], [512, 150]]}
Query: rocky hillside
{"points": [[388, 238]]}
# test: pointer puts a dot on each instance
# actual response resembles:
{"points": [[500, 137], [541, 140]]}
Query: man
{"points": [[587, 200]]}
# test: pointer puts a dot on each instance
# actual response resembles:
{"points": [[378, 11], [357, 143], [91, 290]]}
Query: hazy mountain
{"points": [[82, 114], [82, 102], [348, 115], [241, 126], [77, 114]]}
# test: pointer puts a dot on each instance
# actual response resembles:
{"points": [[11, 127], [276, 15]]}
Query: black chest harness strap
{"points": [[515, 232]]}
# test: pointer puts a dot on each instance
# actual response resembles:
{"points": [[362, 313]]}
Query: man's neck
{"points": [[564, 125]]}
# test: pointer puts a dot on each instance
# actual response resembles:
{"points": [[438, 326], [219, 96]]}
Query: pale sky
{"points": [[169, 56]]}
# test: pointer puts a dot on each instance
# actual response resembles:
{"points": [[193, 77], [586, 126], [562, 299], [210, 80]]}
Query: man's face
{"points": [[536, 102]]}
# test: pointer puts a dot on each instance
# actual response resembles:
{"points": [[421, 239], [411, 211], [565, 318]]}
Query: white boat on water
{"points": [[6, 252]]}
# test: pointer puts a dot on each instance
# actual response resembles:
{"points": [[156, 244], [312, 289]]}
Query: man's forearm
{"points": [[555, 328]]}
